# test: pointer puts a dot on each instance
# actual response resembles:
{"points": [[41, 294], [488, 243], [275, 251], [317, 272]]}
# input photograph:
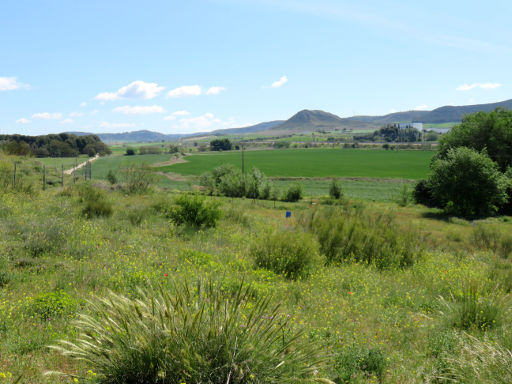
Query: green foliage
{"points": [[355, 361], [491, 238], [467, 184], [137, 214], [423, 193], [195, 211], [393, 133], [473, 309], [335, 190], [190, 336], [130, 152], [291, 254], [483, 131], [47, 306], [404, 198], [95, 202], [294, 193], [111, 177], [221, 145], [42, 238], [138, 178], [355, 235]]}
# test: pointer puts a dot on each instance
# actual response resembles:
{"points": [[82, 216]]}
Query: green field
{"points": [[101, 166], [316, 163], [58, 162]]}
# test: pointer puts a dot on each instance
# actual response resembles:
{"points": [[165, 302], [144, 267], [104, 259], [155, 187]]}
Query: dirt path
{"points": [[70, 171], [170, 162]]}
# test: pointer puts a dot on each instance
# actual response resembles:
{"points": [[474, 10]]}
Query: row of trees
{"points": [[471, 174], [54, 145]]}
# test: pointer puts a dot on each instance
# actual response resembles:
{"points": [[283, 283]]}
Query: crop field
{"points": [[58, 162], [101, 166], [316, 163]]}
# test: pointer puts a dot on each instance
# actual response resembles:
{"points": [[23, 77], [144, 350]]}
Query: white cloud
{"points": [[116, 125], [136, 90], [10, 84], [139, 110], [215, 90], [181, 113], [186, 90], [46, 115], [67, 121], [280, 82], [76, 114], [423, 107], [94, 112], [83, 104], [469, 87], [170, 118], [204, 123], [23, 121]]}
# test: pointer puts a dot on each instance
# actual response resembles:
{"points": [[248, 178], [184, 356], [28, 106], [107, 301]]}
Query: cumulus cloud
{"points": [[137, 90], [204, 123], [186, 90], [23, 121], [181, 113], [106, 124], [139, 110], [10, 84], [423, 107], [67, 121], [47, 115], [280, 82], [469, 87], [76, 114], [215, 90], [83, 104], [170, 118]]}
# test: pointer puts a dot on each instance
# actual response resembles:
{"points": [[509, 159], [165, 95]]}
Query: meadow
{"points": [[401, 164]]}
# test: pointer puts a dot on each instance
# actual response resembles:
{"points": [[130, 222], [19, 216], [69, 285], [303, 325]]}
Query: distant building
{"points": [[418, 126]]}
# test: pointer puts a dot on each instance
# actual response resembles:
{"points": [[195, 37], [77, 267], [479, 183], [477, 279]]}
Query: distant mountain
{"points": [[446, 114], [143, 136], [251, 129]]}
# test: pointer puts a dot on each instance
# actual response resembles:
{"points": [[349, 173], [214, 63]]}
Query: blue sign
{"points": [[288, 214]]}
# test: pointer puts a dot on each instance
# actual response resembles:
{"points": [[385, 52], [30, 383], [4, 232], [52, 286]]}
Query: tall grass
{"points": [[194, 335]]}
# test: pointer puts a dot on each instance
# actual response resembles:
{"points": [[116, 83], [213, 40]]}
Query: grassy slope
{"points": [[316, 163]]}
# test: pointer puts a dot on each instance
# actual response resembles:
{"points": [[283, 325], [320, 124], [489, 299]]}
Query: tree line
{"points": [[53, 145]]}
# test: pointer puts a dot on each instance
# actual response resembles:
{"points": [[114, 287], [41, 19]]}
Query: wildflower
{"points": [[350, 292], [165, 274]]}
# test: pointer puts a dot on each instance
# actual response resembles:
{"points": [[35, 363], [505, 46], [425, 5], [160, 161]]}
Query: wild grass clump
{"points": [[357, 235], [138, 178], [42, 238], [291, 254], [137, 214], [198, 335], [195, 211], [359, 362], [473, 309], [335, 190], [49, 305], [479, 361], [94, 202]]}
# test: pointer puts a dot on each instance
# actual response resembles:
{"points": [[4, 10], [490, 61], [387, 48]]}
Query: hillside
{"points": [[143, 136]]}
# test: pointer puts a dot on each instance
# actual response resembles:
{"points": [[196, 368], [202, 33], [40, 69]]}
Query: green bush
{"points": [[199, 335], [43, 238], [47, 306], [423, 193], [294, 193], [195, 211], [137, 214], [492, 239], [356, 235], [138, 178], [94, 202], [358, 361], [291, 254], [404, 196], [111, 177], [467, 183], [335, 191]]}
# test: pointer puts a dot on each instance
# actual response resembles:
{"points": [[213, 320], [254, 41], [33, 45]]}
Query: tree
{"points": [[220, 144], [467, 183], [489, 131], [335, 190]]}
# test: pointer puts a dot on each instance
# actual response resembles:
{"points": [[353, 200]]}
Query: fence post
{"points": [[62, 175], [44, 177]]}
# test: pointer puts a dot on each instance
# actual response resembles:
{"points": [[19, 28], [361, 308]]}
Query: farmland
{"points": [[316, 163]]}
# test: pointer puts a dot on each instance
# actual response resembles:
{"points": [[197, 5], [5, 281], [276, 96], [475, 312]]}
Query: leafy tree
{"points": [[220, 144], [467, 183], [130, 152], [489, 131], [335, 190]]}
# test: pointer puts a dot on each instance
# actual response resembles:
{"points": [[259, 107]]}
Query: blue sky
{"points": [[198, 65]]}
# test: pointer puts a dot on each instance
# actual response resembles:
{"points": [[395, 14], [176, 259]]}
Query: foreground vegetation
{"points": [[382, 293]]}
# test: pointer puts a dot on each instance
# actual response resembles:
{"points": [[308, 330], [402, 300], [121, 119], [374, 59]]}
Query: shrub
{"points": [[291, 254], [95, 202], [137, 214], [404, 197], [47, 306], [335, 190], [473, 310], [138, 178], [43, 238], [197, 335], [492, 239], [130, 152], [195, 211], [423, 193], [467, 184], [293, 193], [111, 177], [355, 361], [350, 234]]}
